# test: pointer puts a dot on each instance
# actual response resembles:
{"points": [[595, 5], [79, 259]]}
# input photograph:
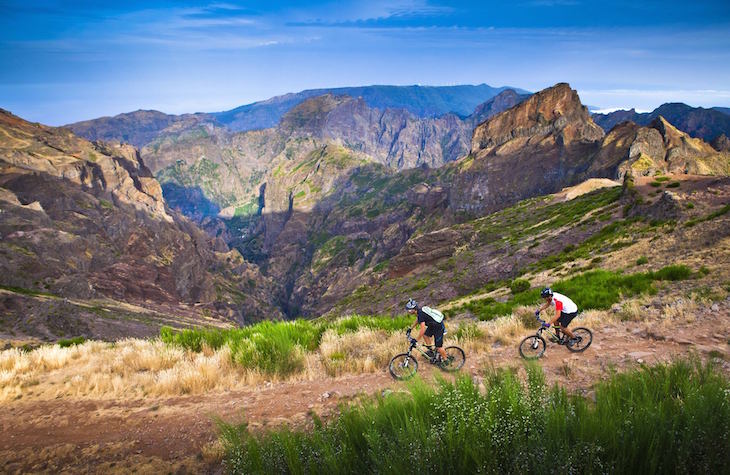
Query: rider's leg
{"points": [[439, 341], [564, 321]]}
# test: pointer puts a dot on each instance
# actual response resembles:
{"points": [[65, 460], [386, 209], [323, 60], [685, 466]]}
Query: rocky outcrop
{"points": [[536, 147], [553, 112], [657, 148]]}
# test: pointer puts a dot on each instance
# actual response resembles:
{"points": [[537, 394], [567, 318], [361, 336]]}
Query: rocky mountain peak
{"points": [[553, 111]]}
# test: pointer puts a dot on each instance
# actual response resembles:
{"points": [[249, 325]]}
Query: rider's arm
{"points": [[558, 308], [423, 330]]}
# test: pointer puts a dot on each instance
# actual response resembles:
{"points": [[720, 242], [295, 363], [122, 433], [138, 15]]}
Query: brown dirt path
{"points": [[170, 435]]}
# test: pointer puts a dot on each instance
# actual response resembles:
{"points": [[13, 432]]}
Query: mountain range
{"points": [[341, 207], [707, 124], [140, 127]]}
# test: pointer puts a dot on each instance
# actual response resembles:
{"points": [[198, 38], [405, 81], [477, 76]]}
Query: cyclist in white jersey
{"points": [[565, 311]]}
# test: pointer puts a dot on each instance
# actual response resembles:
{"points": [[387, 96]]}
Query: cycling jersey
{"points": [[423, 317], [563, 303]]}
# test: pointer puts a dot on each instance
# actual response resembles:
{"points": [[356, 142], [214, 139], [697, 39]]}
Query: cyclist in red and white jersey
{"points": [[565, 311]]}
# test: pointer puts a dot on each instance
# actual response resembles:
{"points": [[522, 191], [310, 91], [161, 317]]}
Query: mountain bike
{"points": [[533, 346], [405, 365]]}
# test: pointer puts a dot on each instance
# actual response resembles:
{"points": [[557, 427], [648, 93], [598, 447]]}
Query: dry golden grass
{"points": [[134, 368]]}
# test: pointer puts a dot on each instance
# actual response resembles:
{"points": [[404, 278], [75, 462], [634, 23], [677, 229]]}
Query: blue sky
{"points": [[66, 61]]}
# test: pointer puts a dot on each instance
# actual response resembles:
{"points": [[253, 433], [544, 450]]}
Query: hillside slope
{"points": [[87, 222]]}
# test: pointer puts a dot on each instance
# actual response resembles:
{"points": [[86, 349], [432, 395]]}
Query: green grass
{"points": [[662, 419], [642, 260], [71, 342], [713, 215], [276, 347], [24, 291], [595, 289]]}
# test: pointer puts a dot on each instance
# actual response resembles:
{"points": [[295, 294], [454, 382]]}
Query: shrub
{"points": [[71, 342], [596, 289], [663, 419], [673, 272], [642, 260], [519, 285]]}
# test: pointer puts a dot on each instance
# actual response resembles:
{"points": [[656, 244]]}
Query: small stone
{"points": [[326, 395], [715, 307], [640, 361]]}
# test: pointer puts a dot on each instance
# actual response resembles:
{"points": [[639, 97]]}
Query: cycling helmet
{"points": [[411, 304], [546, 292]]}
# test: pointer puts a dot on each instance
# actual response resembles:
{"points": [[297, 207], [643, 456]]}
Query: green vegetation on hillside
{"points": [[276, 348], [598, 289], [662, 419]]}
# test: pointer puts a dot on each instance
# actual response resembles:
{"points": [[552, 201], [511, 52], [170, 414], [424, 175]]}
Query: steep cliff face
{"points": [[536, 147], [113, 169], [87, 220], [657, 148], [393, 137]]}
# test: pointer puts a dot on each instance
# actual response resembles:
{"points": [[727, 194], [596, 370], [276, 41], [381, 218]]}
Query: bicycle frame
{"points": [[420, 350], [552, 333]]}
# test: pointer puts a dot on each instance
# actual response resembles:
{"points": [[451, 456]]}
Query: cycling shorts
{"points": [[437, 332]]}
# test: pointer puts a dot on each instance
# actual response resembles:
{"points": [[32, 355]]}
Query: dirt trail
{"points": [[170, 435]]}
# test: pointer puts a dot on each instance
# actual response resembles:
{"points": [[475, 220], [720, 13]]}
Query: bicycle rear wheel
{"points": [[403, 366], [532, 347], [456, 359], [585, 338]]}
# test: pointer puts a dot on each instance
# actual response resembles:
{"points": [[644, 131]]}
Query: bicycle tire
{"points": [[532, 347], [401, 361], [585, 335], [457, 362]]}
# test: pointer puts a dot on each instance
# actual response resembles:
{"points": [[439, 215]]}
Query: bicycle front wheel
{"points": [[455, 359], [403, 366], [532, 347], [584, 337]]}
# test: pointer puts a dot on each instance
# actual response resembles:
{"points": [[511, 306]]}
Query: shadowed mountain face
{"points": [[87, 221], [706, 124]]}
